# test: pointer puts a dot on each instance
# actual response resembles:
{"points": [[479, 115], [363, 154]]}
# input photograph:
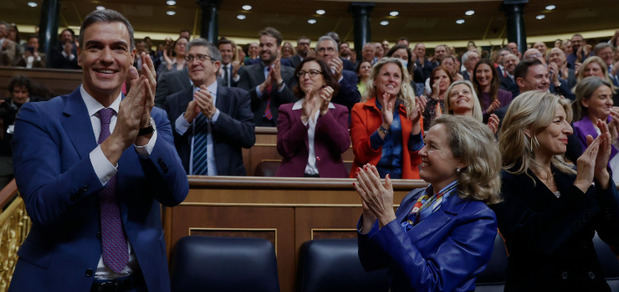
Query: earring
{"points": [[458, 170]]}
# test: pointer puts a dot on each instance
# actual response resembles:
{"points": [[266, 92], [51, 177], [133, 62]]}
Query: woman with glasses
{"points": [[386, 124], [312, 133]]}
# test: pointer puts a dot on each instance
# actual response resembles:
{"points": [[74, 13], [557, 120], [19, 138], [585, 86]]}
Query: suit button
{"points": [[163, 166], [89, 273], [591, 275], [564, 275]]}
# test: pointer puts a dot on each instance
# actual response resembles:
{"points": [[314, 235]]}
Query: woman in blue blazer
{"points": [[441, 237]]}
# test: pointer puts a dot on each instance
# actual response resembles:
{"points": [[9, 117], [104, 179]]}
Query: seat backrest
{"points": [[608, 261], [493, 277], [333, 265], [201, 263]]}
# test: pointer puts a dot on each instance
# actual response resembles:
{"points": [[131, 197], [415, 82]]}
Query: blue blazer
{"points": [[443, 252], [59, 186]]}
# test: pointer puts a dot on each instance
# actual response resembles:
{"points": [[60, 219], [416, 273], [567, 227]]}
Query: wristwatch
{"points": [[383, 130]]}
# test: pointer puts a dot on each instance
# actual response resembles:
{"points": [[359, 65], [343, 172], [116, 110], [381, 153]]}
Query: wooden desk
{"points": [[286, 211], [57, 81]]}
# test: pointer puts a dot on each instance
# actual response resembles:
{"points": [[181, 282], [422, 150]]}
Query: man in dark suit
{"points": [[211, 122], [348, 95], [508, 80], [303, 47], [269, 84], [229, 68], [95, 203], [169, 83]]}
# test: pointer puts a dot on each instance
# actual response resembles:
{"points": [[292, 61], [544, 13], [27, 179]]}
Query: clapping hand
{"points": [[376, 197], [592, 164], [326, 93], [493, 123]]}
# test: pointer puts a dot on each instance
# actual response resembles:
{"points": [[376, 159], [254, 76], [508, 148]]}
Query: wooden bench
{"points": [[55, 81]]}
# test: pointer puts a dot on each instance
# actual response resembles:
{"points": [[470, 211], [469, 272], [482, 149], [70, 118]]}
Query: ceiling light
{"points": [[470, 12], [460, 21], [540, 17], [394, 13], [551, 7], [100, 7], [311, 21], [241, 17], [320, 11], [170, 2], [33, 4], [384, 23], [246, 7], [170, 12]]}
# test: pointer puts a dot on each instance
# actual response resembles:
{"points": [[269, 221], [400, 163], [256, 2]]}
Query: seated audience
{"points": [[269, 84], [386, 126], [462, 101], [439, 81], [441, 237], [64, 55], [176, 62], [32, 58], [327, 51], [594, 101], [595, 66], [486, 81], [312, 133], [211, 122], [364, 71], [551, 210]]}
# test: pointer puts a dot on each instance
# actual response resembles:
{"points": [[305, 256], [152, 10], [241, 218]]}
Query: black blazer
{"points": [[234, 128], [348, 94], [252, 76], [169, 83], [549, 239]]}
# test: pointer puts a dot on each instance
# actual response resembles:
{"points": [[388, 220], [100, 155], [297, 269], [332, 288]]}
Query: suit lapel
{"points": [[77, 124], [439, 219]]}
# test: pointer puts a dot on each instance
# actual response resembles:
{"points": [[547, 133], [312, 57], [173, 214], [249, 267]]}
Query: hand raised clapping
{"points": [[376, 197]]}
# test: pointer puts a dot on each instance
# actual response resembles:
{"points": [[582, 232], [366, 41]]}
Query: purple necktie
{"points": [[113, 241]]}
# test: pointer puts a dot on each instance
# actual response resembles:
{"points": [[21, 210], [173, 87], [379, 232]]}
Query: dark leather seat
{"points": [[492, 279], [200, 263], [333, 265], [608, 261]]}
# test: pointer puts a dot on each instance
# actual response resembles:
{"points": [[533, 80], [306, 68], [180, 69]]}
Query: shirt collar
{"points": [[93, 105], [212, 88], [299, 105]]}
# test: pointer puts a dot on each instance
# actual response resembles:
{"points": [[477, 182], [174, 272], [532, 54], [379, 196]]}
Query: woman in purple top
{"points": [[594, 101], [486, 81]]}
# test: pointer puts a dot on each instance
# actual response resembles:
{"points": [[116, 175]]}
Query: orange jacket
{"points": [[365, 120]]}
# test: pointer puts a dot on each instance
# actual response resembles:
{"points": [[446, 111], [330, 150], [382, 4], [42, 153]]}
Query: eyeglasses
{"points": [[200, 57], [312, 73], [327, 49]]}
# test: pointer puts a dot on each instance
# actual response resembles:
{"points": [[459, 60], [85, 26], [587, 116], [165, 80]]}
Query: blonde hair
{"points": [[531, 111], [473, 143], [406, 94], [583, 91], [477, 114], [595, 59]]}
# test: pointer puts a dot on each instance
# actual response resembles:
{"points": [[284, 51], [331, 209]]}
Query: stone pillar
{"points": [[210, 21], [514, 12], [361, 21], [48, 26]]}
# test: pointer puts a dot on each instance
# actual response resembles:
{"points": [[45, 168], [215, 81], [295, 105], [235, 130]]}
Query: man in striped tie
{"points": [[211, 122], [93, 168]]}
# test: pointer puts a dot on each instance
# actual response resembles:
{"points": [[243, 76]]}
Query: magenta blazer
{"points": [[331, 140]]}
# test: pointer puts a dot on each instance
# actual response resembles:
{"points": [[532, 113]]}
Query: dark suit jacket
{"points": [[443, 252], [348, 94], [295, 61], [59, 186], [549, 239], [330, 141], [169, 83], [252, 76], [509, 85], [234, 128]]}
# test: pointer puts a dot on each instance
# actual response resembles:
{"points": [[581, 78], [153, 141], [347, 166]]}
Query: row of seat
{"points": [[248, 264]]}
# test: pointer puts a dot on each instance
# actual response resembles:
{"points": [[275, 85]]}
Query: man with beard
{"points": [[269, 84], [508, 80], [303, 46]]}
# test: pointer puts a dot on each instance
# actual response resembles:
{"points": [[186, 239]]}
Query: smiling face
{"points": [[483, 75], [553, 138], [202, 72], [227, 53], [105, 57], [310, 81], [442, 78], [461, 100], [365, 69], [599, 104], [557, 56], [593, 69], [180, 46], [388, 80], [537, 78], [20, 94], [438, 165], [268, 49]]}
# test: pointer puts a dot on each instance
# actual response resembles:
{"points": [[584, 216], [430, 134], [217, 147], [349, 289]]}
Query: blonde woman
{"points": [[462, 101], [551, 211], [386, 124]]}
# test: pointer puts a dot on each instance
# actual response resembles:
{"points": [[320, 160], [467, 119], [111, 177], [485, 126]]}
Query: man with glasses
{"points": [[348, 95], [303, 47], [211, 122], [268, 82]]}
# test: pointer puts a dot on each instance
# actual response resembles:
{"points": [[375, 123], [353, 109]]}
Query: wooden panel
{"points": [[56, 81]]}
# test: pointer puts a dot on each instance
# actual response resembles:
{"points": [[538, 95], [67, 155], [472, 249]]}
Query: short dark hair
{"points": [[523, 67], [224, 41], [105, 15], [272, 32], [20, 81], [326, 75]]}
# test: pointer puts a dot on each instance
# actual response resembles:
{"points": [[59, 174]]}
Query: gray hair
{"points": [[601, 46], [328, 38], [583, 91], [105, 15], [466, 55], [213, 52]]}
